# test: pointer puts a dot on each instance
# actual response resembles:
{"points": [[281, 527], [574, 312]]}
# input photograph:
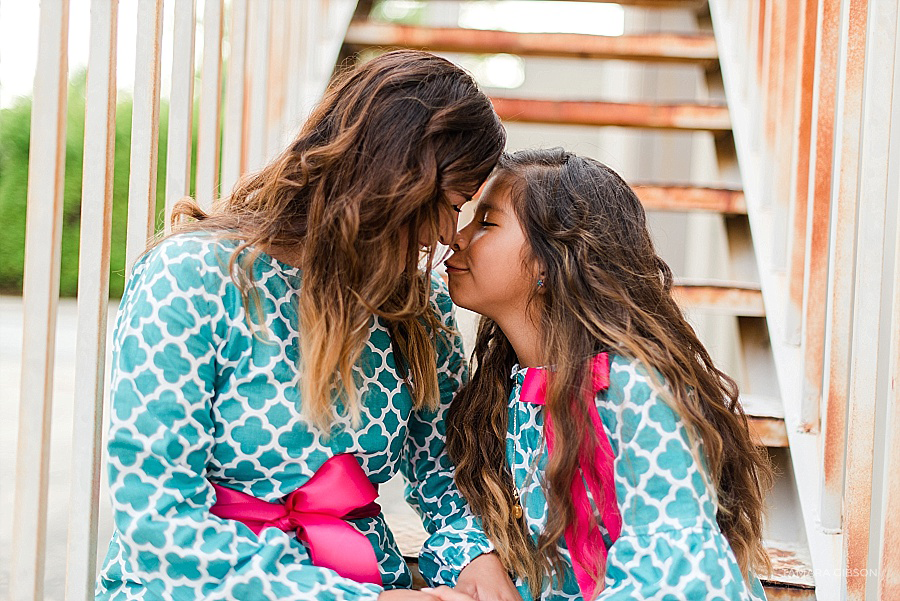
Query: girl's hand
{"points": [[485, 579]]}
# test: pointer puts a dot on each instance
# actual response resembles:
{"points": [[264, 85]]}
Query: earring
{"points": [[541, 283]]}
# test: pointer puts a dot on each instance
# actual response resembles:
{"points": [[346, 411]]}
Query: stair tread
{"points": [[656, 47], [731, 298], [684, 197], [687, 116], [791, 565]]}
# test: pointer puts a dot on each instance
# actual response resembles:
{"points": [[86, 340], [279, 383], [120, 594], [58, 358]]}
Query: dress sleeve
{"points": [[456, 537], [671, 546], [161, 438]]}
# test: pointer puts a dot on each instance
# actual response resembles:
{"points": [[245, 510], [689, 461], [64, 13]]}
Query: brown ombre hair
{"points": [[604, 289], [350, 198]]}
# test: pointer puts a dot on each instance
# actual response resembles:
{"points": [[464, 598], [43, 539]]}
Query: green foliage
{"points": [[15, 124]]}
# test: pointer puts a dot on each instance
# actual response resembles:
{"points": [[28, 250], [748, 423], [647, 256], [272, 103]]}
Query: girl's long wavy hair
{"points": [[350, 197], [605, 289]]}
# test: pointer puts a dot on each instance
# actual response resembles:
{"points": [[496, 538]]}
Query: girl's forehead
{"points": [[496, 195]]}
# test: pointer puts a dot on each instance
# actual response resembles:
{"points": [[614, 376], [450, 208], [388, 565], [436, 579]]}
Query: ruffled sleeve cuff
{"points": [[450, 549]]}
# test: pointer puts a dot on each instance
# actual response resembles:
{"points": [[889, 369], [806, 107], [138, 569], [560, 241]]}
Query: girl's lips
{"points": [[452, 269]]}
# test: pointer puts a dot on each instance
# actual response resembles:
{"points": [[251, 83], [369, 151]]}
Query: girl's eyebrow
{"points": [[487, 206]]}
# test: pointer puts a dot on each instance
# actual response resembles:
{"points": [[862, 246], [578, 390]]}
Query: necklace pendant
{"points": [[517, 511]]}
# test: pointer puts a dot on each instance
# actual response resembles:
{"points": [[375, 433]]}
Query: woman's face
{"points": [[449, 220], [489, 270]]}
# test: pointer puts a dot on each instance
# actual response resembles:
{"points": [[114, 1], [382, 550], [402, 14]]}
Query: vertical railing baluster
{"points": [[144, 131], [93, 299], [865, 399], [234, 142], [841, 259], [889, 575], [819, 213], [275, 108], [181, 106], [295, 72], [209, 126], [43, 239], [799, 170], [260, 27]]}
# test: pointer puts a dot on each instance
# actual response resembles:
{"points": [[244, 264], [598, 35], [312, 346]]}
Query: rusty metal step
{"points": [[792, 572], [741, 299], [684, 4], [685, 117], [766, 418], [655, 47], [657, 197]]}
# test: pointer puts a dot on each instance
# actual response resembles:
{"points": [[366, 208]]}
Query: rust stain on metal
{"points": [[761, 39], [773, 63], [656, 47], [696, 117], [818, 228], [689, 198], [804, 133], [768, 431]]}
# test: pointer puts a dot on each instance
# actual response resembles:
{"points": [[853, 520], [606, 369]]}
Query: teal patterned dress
{"points": [[197, 398], [670, 547]]}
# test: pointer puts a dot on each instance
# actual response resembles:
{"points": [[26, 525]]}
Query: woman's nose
{"points": [[448, 231]]}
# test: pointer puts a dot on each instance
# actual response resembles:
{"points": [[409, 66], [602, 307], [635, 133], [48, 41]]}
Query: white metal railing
{"points": [[291, 68], [833, 302]]}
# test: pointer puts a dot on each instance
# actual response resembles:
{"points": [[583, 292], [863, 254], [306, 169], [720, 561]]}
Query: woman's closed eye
{"points": [[484, 223]]}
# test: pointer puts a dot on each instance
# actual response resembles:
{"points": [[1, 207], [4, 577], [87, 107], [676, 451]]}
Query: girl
{"points": [[280, 357], [651, 478]]}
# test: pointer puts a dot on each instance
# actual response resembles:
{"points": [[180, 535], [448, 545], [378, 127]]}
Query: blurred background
{"points": [[740, 124]]}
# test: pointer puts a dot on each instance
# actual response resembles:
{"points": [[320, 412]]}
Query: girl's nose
{"points": [[459, 240]]}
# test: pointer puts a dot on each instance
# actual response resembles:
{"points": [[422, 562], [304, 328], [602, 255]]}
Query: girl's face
{"points": [[489, 270]]}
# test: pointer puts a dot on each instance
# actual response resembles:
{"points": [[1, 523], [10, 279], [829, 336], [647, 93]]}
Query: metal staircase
{"points": [[738, 294]]}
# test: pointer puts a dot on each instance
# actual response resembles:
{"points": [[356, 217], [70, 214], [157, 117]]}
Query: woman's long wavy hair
{"points": [[351, 197], [605, 289]]}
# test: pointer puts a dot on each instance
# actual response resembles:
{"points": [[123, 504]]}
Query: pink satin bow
{"points": [[318, 510], [583, 539]]}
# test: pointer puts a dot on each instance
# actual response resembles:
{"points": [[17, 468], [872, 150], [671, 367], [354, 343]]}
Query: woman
{"points": [[278, 358], [626, 461]]}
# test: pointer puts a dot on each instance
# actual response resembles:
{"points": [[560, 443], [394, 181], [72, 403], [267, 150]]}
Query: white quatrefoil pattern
{"points": [[671, 547]]}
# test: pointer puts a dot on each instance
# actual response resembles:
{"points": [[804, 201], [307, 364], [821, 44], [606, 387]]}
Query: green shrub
{"points": [[15, 123]]}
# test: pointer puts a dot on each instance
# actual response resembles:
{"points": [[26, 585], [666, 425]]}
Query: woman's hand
{"points": [[485, 579], [405, 594]]}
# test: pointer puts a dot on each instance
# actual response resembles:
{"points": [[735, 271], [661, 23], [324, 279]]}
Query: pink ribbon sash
{"points": [[583, 538], [317, 511]]}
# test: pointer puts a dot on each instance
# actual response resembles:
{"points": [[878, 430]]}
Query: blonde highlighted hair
{"points": [[350, 197]]}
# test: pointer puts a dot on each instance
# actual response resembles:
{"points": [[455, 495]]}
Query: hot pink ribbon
{"points": [[317, 511], [583, 538]]}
